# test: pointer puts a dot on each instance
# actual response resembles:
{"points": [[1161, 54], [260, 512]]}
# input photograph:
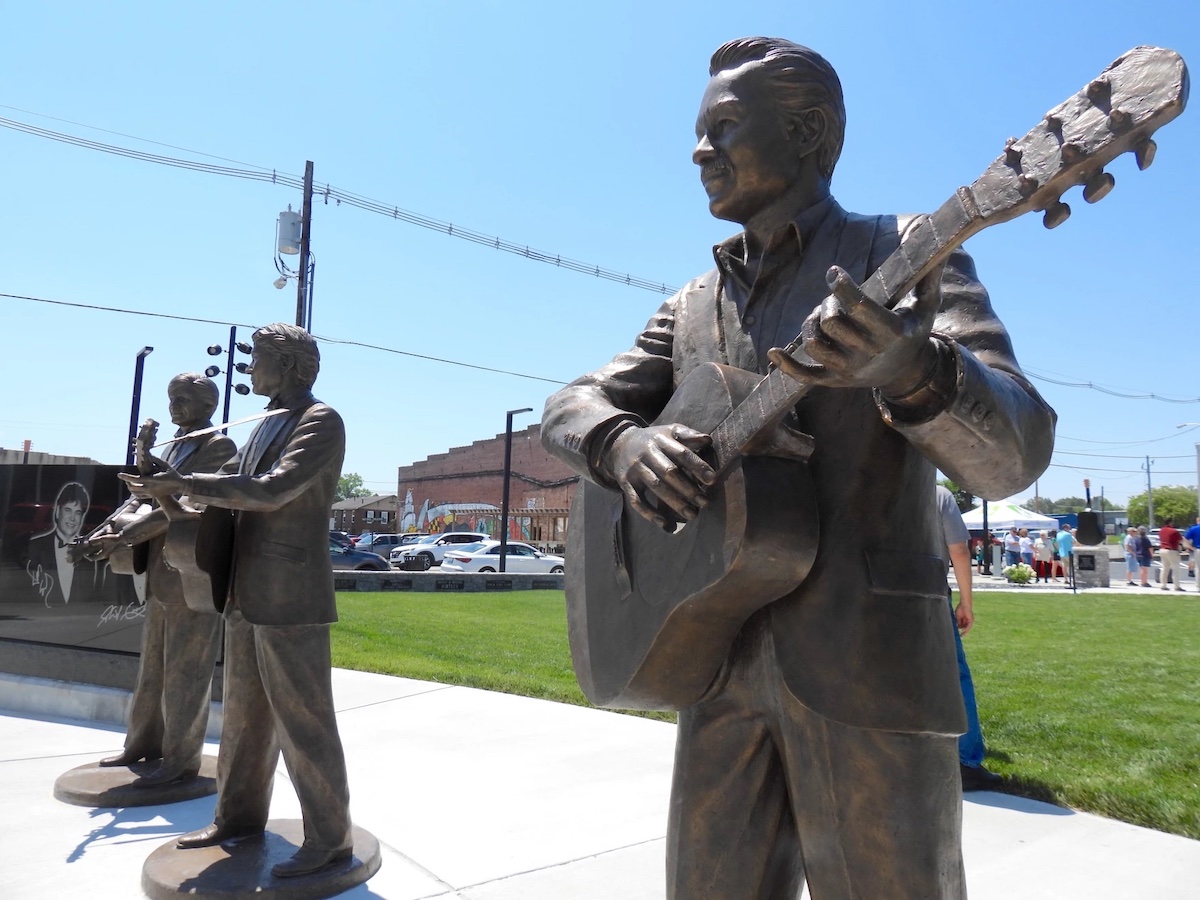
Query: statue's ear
{"points": [[808, 130]]}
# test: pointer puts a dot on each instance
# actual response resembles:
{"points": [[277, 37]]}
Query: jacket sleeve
{"points": [[318, 439], [634, 387], [994, 433]]}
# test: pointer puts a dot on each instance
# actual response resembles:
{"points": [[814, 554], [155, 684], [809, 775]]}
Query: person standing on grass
{"points": [[1145, 554], [1066, 543], [1043, 551], [970, 744], [1012, 547], [1130, 546], [1191, 540], [1026, 544], [1170, 543]]}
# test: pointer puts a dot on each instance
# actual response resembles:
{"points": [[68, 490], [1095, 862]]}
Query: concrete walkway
{"points": [[483, 796]]}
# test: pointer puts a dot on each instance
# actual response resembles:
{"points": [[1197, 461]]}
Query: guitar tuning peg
{"points": [[1144, 153], [1071, 153], [1098, 186], [1099, 91], [1056, 214], [1119, 121], [1012, 153], [1027, 184]]}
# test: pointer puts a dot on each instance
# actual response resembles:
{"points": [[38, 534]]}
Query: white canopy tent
{"points": [[1002, 514]]}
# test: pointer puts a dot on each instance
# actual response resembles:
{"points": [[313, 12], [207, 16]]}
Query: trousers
{"points": [[767, 795]]}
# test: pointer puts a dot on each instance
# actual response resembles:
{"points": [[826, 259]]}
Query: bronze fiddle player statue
{"points": [[824, 747]]}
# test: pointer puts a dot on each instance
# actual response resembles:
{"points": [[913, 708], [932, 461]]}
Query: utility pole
{"points": [[303, 313], [1150, 499]]}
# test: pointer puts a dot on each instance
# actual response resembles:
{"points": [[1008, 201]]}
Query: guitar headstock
{"points": [[1114, 114], [146, 437]]}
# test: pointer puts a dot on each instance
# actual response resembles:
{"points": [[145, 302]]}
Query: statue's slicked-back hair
{"points": [[291, 342], [798, 80], [202, 386]]}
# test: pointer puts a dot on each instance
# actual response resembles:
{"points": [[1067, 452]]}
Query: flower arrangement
{"points": [[1018, 574]]}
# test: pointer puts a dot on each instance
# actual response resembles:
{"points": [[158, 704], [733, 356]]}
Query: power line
{"points": [[331, 340], [1112, 392], [328, 192]]}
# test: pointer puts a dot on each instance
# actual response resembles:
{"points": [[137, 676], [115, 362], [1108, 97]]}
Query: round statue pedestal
{"points": [[241, 868], [111, 786]]}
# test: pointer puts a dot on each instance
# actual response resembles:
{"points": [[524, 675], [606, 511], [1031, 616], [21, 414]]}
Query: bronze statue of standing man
{"points": [[826, 747], [169, 712], [278, 692]]}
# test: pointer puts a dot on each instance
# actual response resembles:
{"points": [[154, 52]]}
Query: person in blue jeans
{"points": [[970, 745]]}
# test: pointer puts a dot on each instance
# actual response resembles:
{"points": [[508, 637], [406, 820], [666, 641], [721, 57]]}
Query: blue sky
{"points": [[569, 130]]}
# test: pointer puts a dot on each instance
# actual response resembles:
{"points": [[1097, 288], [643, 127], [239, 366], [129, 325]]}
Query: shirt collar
{"points": [[292, 399], [732, 251]]}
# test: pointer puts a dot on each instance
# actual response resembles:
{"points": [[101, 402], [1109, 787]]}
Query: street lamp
{"points": [[230, 367], [507, 473], [1191, 425], [137, 402]]}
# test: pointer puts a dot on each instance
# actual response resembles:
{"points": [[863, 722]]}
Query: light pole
{"points": [[1188, 425], [507, 473], [230, 367], [137, 402]]}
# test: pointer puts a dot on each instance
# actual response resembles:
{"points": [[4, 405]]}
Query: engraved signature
{"points": [[43, 581], [122, 613]]}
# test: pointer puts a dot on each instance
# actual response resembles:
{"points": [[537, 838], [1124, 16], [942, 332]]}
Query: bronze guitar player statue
{"points": [[821, 743], [278, 694], [181, 635]]}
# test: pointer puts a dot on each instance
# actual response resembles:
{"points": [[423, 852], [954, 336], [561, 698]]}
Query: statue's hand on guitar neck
{"points": [[661, 474], [165, 483], [856, 343]]}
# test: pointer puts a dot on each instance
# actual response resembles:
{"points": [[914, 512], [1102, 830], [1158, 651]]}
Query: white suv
{"points": [[431, 549]]}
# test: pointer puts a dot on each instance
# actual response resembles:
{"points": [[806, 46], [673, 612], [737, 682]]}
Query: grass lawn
{"points": [[1092, 701]]}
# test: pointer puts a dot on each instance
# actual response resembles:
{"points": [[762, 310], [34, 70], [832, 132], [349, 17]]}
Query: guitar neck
{"points": [[926, 246]]}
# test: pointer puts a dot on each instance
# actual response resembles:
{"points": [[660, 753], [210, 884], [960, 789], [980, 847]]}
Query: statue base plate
{"points": [[241, 868], [112, 786]]}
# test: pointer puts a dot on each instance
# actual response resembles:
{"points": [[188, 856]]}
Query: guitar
{"points": [[197, 545], [652, 613]]}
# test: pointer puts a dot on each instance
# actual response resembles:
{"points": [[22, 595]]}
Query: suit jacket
{"points": [[865, 639], [203, 454], [41, 563], [281, 485]]}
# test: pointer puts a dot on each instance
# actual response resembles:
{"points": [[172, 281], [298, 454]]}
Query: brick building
{"points": [[451, 491], [358, 514]]}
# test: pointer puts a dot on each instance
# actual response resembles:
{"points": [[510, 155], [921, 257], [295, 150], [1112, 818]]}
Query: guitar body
{"points": [[652, 614], [199, 546]]}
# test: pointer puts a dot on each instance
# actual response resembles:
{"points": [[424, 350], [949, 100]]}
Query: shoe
{"points": [[308, 860], [1130, 583], [124, 758], [213, 835], [977, 778], [1181, 590], [1145, 584], [165, 775]]}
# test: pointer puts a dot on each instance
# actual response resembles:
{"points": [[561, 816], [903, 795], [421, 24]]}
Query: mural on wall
{"points": [[44, 595]]}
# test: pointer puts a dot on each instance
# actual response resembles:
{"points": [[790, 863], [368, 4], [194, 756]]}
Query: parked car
{"points": [[343, 557], [341, 537], [384, 544], [518, 557], [1153, 535], [430, 549]]}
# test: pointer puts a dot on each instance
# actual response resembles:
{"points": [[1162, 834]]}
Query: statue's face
{"points": [[747, 156], [186, 405], [266, 374]]}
